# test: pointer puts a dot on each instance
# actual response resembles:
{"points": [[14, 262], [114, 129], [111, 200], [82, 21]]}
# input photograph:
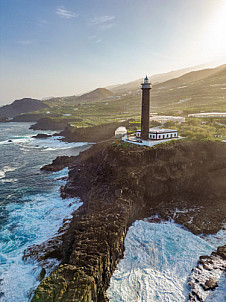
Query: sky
{"points": [[67, 47]]}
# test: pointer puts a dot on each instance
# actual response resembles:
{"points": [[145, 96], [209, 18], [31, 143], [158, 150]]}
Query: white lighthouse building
{"points": [[149, 136], [147, 133], [159, 134]]}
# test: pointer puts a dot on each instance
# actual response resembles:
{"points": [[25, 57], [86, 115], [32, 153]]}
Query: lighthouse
{"points": [[146, 87], [149, 136]]}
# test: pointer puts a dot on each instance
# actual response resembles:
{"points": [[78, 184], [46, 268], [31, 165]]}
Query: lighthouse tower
{"points": [[146, 87]]}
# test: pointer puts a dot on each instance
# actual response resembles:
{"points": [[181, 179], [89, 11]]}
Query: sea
{"points": [[31, 209], [158, 257], [157, 261]]}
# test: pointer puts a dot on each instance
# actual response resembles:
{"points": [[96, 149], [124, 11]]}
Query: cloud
{"points": [[66, 14], [102, 19], [95, 38], [106, 26], [25, 42], [42, 22]]}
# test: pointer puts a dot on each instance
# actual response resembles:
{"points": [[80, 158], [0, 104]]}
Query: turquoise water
{"points": [[158, 257], [31, 210], [157, 261]]}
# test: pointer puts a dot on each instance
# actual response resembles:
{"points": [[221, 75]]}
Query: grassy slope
{"points": [[202, 90]]}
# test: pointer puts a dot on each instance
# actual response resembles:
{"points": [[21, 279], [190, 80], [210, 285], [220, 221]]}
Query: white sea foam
{"points": [[157, 261], [6, 169], [47, 144], [11, 180], [219, 294], [29, 223], [216, 239]]}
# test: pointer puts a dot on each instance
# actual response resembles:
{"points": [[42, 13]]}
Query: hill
{"points": [[156, 78], [193, 77], [203, 89], [22, 106], [93, 96], [96, 95]]}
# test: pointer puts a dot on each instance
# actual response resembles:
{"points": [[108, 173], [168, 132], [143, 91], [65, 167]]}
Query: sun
{"points": [[213, 42]]}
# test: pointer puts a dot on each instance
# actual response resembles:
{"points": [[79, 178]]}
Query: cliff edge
{"points": [[119, 183]]}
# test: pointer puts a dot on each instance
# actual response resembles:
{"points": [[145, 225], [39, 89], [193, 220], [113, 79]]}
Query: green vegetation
{"points": [[199, 91], [200, 128], [98, 113]]}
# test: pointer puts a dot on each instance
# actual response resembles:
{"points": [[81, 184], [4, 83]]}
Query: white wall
{"points": [[160, 135]]}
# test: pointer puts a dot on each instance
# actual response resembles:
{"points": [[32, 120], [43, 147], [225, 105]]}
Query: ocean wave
{"points": [[9, 180], [47, 144], [6, 169], [157, 260], [54, 143], [30, 223]]}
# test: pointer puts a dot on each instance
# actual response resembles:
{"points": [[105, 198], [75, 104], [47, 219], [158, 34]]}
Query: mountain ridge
{"points": [[155, 79]]}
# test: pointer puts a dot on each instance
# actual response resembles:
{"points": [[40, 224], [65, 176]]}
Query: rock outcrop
{"points": [[91, 134], [41, 135], [119, 183], [60, 163], [47, 123], [28, 117], [204, 278], [3, 119]]}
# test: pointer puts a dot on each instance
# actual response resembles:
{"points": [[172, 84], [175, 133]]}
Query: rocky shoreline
{"points": [[205, 276], [118, 184], [94, 133]]}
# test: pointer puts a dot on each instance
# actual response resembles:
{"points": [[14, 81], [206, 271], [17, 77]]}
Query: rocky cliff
{"points": [[118, 184], [46, 123], [28, 117], [92, 134], [205, 276]]}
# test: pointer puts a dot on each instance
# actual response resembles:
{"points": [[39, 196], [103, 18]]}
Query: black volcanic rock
{"points": [[47, 123], [59, 163], [21, 106], [27, 117], [205, 276], [91, 134], [3, 119], [41, 135], [119, 183]]}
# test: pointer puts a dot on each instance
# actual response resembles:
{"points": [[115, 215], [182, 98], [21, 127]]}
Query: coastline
{"points": [[31, 207], [135, 183]]}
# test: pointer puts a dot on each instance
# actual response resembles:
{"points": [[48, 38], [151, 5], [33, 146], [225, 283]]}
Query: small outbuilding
{"points": [[120, 132], [159, 134]]}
